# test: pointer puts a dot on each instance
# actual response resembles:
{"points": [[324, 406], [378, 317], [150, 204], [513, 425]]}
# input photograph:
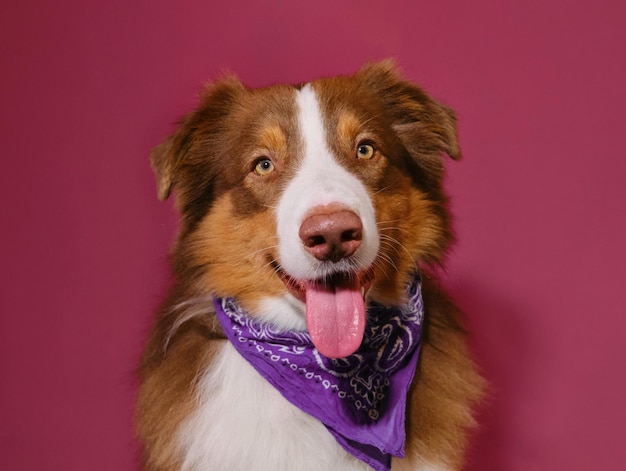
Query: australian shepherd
{"points": [[305, 328]]}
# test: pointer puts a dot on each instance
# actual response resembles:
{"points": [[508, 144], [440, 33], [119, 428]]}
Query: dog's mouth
{"points": [[335, 309]]}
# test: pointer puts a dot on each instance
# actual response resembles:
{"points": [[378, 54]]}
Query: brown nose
{"points": [[331, 235]]}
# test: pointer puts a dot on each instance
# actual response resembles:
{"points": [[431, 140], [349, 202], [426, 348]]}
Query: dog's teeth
{"points": [[362, 291]]}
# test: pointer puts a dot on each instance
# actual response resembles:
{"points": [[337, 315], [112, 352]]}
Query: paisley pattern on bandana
{"points": [[361, 398]]}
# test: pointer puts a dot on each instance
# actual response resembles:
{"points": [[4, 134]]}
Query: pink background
{"points": [[87, 88]]}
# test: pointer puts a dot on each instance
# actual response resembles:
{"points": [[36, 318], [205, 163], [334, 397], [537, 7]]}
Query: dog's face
{"points": [[301, 202]]}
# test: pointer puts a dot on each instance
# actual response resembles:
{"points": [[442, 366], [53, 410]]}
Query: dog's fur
{"points": [[200, 405]]}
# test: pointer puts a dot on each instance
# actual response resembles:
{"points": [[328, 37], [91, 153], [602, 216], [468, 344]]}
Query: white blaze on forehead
{"points": [[319, 181]]}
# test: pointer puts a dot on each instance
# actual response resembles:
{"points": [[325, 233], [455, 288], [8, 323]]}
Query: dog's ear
{"points": [[168, 157], [165, 157], [426, 128]]}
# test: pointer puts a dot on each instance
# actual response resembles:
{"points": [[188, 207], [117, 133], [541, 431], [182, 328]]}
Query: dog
{"points": [[306, 328]]}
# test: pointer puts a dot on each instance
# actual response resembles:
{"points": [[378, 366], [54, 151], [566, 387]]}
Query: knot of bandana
{"points": [[361, 399]]}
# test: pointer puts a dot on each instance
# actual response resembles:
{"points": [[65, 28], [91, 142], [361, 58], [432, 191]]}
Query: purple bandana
{"points": [[361, 399]]}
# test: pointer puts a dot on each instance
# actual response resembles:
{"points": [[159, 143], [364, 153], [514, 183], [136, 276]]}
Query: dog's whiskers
{"points": [[267, 248], [385, 188], [395, 244]]}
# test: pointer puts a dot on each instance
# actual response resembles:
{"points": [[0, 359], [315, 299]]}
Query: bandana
{"points": [[361, 399]]}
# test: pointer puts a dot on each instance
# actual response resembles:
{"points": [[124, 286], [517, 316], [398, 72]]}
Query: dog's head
{"points": [[302, 201]]}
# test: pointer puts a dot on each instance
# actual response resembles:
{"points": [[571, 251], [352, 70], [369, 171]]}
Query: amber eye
{"points": [[263, 167], [364, 151]]}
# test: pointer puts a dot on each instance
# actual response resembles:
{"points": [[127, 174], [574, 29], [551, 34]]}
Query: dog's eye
{"points": [[263, 167], [364, 151]]}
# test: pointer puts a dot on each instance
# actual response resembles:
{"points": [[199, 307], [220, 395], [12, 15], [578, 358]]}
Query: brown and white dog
{"points": [[282, 190]]}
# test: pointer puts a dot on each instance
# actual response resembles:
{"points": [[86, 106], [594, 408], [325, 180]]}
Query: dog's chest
{"points": [[242, 423]]}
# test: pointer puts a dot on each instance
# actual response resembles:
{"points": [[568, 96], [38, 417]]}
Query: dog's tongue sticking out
{"points": [[335, 316]]}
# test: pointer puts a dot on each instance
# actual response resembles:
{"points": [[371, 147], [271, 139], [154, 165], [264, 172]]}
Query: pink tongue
{"points": [[335, 317]]}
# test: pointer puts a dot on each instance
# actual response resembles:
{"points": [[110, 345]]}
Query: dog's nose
{"points": [[331, 235]]}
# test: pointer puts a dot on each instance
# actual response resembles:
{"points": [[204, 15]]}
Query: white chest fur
{"points": [[243, 423]]}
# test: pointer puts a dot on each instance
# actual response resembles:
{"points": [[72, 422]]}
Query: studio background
{"points": [[87, 88]]}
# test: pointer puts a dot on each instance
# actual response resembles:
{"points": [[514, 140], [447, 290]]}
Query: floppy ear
{"points": [[426, 128], [168, 157], [165, 157]]}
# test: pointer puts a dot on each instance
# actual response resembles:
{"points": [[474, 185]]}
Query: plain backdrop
{"points": [[88, 87]]}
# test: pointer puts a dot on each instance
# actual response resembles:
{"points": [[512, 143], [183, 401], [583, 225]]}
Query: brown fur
{"points": [[227, 240]]}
